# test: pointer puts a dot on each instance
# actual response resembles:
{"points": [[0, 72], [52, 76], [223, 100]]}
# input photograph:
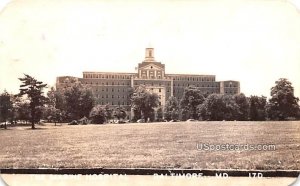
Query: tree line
{"points": [[72, 103], [282, 105], [77, 102]]}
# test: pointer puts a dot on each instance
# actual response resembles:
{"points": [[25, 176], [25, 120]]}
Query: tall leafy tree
{"points": [[79, 101], [143, 103], [191, 99], [33, 89], [56, 105], [283, 103], [159, 114], [243, 107], [171, 109], [257, 108], [6, 107], [23, 110]]}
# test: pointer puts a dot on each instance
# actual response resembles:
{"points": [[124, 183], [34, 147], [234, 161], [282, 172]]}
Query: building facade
{"points": [[114, 88]]}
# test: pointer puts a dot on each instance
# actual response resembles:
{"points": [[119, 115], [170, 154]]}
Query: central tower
{"points": [[149, 57]]}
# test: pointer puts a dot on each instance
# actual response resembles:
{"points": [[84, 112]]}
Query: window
{"points": [[159, 90], [112, 96]]}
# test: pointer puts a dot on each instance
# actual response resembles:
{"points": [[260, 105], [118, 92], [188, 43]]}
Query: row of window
{"points": [[152, 84], [112, 96], [115, 103], [197, 85], [118, 76], [112, 90], [107, 83], [151, 77], [106, 76], [211, 79]]}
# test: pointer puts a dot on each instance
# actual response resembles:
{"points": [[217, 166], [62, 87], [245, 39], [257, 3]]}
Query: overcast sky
{"points": [[255, 42]]}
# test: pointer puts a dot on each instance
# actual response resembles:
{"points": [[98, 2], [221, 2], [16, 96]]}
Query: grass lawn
{"points": [[152, 145]]}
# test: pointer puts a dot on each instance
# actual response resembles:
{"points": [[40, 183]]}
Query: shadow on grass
{"points": [[6, 129], [35, 128]]}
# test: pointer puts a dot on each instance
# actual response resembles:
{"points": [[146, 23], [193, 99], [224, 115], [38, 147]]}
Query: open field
{"points": [[151, 145]]}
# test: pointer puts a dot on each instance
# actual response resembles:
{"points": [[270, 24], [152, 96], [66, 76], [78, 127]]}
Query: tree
{"points": [[283, 103], [15, 105], [257, 108], [119, 113], [23, 110], [6, 106], [218, 107], [52, 114], [97, 114], [243, 107], [34, 91], [79, 101], [159, 114], [143, 103], [86, 102], [56, 105], [172, 109], [191, 99]]}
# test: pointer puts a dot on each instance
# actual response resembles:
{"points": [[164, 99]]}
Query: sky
{"points": [[255, 42]]}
